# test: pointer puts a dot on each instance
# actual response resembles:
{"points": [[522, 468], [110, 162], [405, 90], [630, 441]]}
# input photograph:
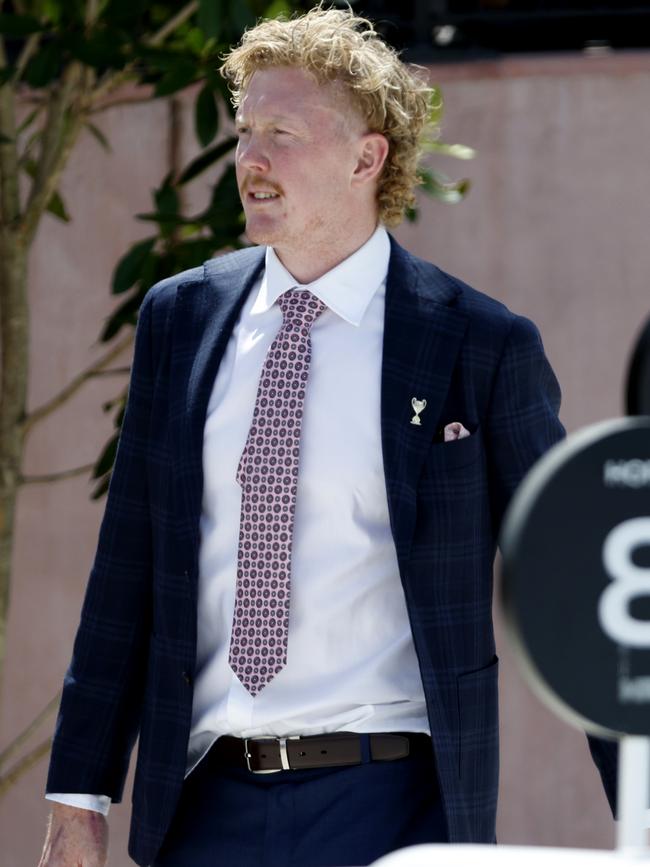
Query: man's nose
{"points": [[252, 157]]}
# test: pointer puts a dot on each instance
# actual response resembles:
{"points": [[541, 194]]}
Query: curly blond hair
{"points": [[335, 45]]}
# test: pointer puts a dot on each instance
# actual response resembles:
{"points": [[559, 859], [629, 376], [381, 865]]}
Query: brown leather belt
{"points": [[267, 755]]}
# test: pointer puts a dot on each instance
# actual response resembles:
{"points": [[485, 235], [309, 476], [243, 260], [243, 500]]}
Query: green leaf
{"points": [[166, 199], [103, 50], [124, 11], [220, 86], [412, 215], [242, 16], [195, 40], [130, 266], [107, 458], [99, 135], [102, 488], [45, 65], [207, 159], [157, 58], [439, 187], [277, 8], [51, 10], [110, 404], [225, 204], [19, 25], [436, 106], [461, 152], [165, 221], [455, 192], [206, 116], [179, 76], [31, 117], [189, 229], [126, 314], [104, 466], [5, 139], [212, 15], [72, 11], [190, 253], [57, 207]]}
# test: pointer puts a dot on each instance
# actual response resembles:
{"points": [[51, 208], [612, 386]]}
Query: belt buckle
{"points": [[284, 758]]}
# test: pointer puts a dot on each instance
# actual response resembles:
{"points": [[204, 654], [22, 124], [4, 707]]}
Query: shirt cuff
{"points": [[98, 803]]}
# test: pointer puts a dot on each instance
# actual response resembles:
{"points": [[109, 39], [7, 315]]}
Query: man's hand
{"points": [[75, 838]]}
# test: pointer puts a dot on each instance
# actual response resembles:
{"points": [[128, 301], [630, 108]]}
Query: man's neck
{"points": [[310, 263]]}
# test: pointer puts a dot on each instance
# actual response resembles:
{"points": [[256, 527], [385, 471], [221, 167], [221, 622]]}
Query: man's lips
{"points": [[262, 195], [260, 190]]}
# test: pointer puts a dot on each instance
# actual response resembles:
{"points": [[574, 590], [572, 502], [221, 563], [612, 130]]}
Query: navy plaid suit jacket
{"points": [[134, 654]]}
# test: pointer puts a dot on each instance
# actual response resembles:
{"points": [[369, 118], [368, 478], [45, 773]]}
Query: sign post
{"points": [[633, 793]]}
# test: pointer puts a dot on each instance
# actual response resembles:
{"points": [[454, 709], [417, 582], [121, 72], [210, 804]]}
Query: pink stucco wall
{"points": [[555, 226]]}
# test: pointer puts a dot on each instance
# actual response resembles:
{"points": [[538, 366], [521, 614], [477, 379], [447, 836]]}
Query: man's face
{"points": [[298, 148]]}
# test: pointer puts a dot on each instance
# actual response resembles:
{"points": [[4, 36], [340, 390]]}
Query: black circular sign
{"points": [[638, 379], [576, 577]]}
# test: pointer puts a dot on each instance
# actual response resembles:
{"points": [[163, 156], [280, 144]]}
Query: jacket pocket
{"points": [[457, 453]]}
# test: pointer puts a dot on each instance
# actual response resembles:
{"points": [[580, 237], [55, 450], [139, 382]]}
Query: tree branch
{"points": [[23, 765], [29, 48], [26, 734], [75, 384], [9, 190], [121, 77], [114, 371], [57, 141], [92, 8], [56, 477], [136, 100], [30, 98], [61, 129], [180, 18]]}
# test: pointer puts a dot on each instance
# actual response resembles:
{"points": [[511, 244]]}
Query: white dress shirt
{"points": [[351, 662]]}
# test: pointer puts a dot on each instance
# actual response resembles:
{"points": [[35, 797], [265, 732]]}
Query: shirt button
{"points": [[187, 678]]}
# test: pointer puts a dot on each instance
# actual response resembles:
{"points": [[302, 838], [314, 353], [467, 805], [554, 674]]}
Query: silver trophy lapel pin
{"points": [[418, 406]]}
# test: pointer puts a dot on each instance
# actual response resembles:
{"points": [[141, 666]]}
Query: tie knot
{"points": [[300, 308]]}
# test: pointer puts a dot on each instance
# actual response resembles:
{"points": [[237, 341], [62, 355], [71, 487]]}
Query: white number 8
{"points": [[629, 582]]}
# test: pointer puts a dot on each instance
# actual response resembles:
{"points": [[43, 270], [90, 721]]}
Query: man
{"points": [[294, 570]]}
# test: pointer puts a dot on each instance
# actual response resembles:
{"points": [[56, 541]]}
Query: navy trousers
{"points": [[331, 817]]}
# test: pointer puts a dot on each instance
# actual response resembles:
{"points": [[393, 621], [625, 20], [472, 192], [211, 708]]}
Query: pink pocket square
{"points": [[455, 431]]}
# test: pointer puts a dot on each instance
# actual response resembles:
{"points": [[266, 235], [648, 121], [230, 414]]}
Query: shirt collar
{"points": [[347, 289]]}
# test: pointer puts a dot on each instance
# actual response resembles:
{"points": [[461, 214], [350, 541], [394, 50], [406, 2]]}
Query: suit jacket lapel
{"points": [[423, 331], [204, 315]]}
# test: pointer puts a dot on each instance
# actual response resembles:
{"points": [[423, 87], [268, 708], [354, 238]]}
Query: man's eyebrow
{"points": [[291, 120]]}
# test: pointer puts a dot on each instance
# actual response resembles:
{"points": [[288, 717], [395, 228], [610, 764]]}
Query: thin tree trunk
{"points": [[14, 345], [17, 228], [15, 348], [69, 105]]}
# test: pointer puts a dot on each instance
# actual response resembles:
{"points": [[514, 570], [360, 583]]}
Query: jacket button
{"points": [[187, 678]]}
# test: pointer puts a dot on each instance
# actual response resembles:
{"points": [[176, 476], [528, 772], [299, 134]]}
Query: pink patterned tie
{"points": [[268, 475]]}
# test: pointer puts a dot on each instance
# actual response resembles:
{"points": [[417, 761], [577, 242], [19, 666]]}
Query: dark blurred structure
{"points": [[459, 29], [638, 380]]}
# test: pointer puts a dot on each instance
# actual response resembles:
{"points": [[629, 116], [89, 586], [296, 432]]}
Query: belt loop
{"points": [[364, 742]]}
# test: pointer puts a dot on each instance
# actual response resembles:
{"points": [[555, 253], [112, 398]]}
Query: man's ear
{"points": [[373, 150]]}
